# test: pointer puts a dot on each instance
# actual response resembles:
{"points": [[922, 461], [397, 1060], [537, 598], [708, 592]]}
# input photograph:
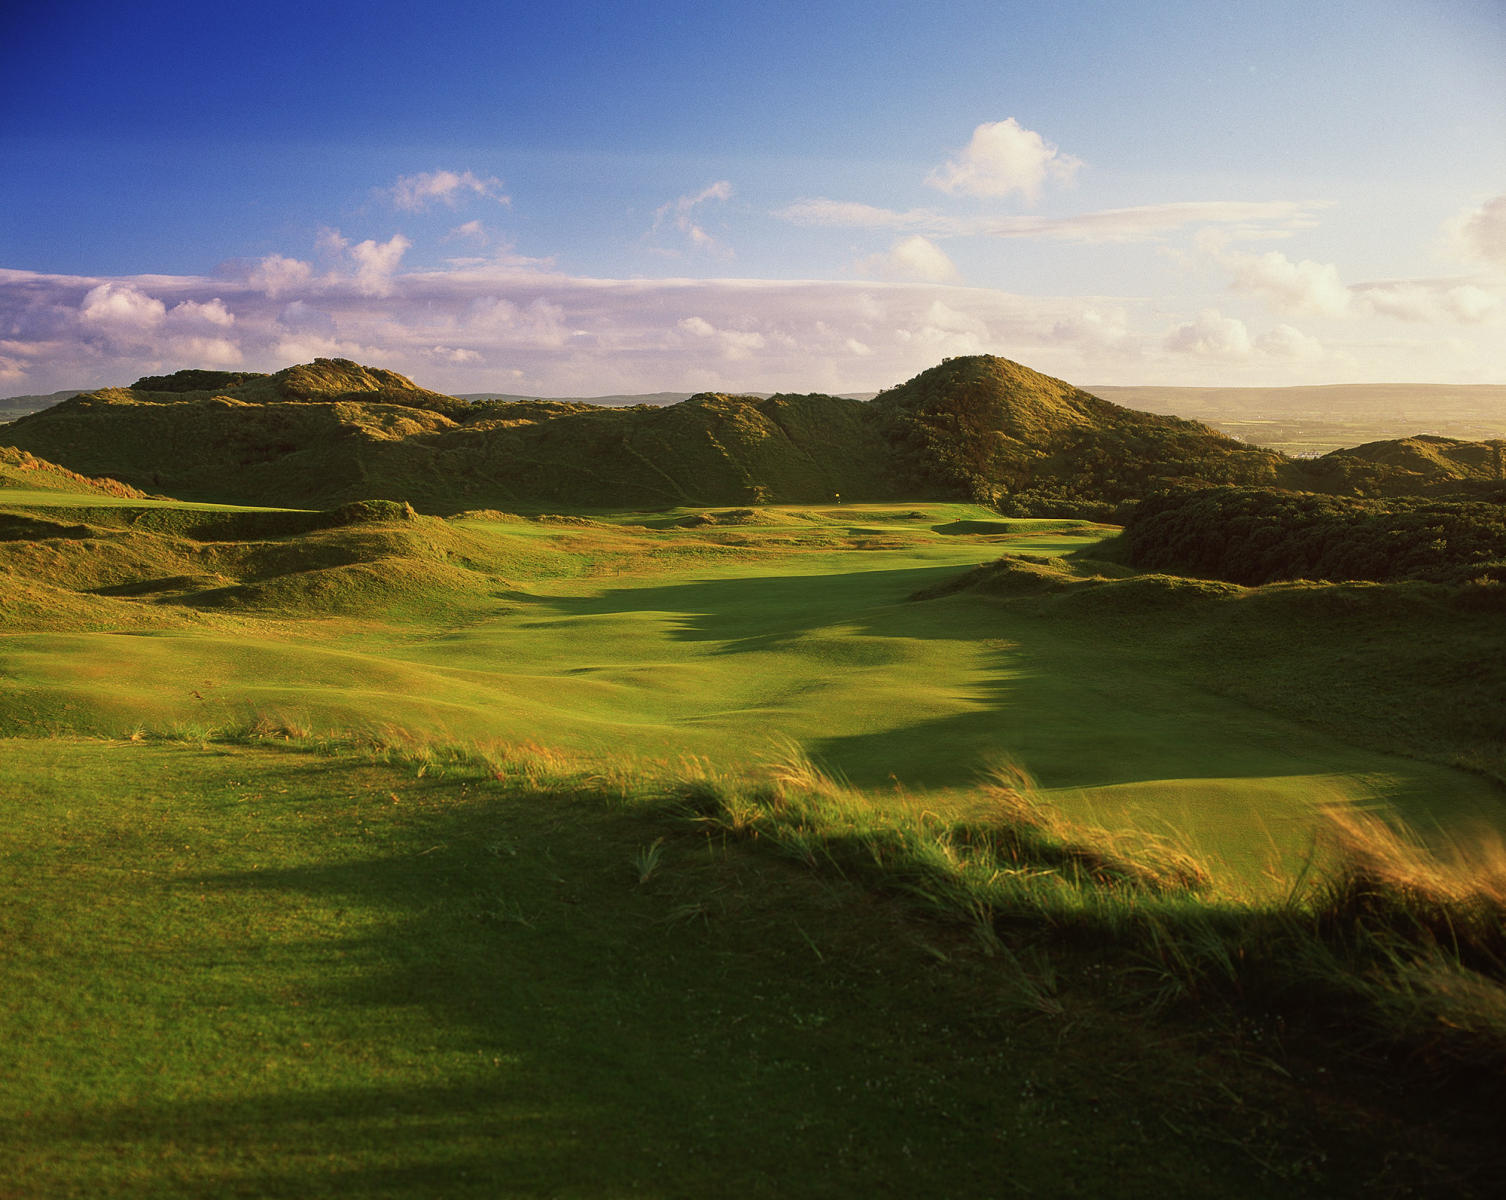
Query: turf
{"points": [[727, 638], [233, 969], [242, 971]]}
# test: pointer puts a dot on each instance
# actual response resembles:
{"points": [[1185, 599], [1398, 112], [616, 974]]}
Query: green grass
{"points": [[234, 970], [728, 641], [391, 968]]}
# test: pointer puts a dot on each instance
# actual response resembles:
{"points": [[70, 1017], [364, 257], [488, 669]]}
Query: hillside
{"points": [[12, 407], [998, 432], [979, 428], [20, 471]]}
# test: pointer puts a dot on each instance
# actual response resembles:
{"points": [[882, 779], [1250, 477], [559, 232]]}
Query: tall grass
{"points": [[1392, 949]]}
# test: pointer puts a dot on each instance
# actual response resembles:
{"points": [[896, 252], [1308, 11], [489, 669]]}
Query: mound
{"points": [[979, 428], [993, 431], [1421, 465], [21, 470], [368, 556], [1254, 536]]}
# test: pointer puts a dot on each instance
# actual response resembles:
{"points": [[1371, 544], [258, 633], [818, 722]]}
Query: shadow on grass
{"points": [[1077, 708], [452, 990], [493, 1004]]}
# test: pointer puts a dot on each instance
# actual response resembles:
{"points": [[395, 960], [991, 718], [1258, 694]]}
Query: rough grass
{"points": [[726, 638], [331, 894], [405, 968]]}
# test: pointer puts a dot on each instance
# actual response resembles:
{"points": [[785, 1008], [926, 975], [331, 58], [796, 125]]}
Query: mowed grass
{"points": [[555, 964], [732, 634], [234, 970]]}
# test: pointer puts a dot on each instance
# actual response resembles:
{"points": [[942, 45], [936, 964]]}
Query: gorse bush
{"points": [[1255, 535]]}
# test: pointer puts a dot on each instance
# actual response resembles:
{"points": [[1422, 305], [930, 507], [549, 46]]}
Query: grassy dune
{"points": [[726, 635], [372, 852]]}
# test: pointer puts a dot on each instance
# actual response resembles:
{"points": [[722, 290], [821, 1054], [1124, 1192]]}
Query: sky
{"points": [[586, 199]]}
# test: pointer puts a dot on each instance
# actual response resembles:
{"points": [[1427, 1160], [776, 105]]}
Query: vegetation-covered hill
{"points": [[995, 431], [25, 472], [980, 428], [1255, 535]]}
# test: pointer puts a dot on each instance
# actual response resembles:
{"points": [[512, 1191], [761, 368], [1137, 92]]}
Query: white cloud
{"points": [[1285, 342], [471, 231], [376, 262], [1277, 218], [503, 322], [732, 344], [191, 313], [1096, 331], [678, 215], [414, 193], [454, 355], [275, 274], [913, 258], [1433, 300], [468, 329], [1483, 231], [1287, 286], [1211, 335], [300, 315], [202, 352], [121, 308], [1004, 157]]}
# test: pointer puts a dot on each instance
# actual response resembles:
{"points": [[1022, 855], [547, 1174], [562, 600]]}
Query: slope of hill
{"points": [[20, 471], [1002, 433], [978, 428], [12, 407], [1421, 465]]}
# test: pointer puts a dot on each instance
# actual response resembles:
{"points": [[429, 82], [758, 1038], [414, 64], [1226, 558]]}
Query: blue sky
{"points": [[589, 198]]}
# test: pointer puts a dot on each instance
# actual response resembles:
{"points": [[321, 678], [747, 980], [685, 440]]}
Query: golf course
{"points": [[853, 846]]}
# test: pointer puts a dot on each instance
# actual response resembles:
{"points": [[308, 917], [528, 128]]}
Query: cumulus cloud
{"points": [[1004, 157], [912, 258], [414, 193], [375, 263], [1211, 335], [1432, 300], [191, 314], [121, 308], [1277, 218], [679, 214], [1096, 331], [275, 274], [1285, 342], [1304, 287], [546, 333], [1483, 231], [732, 344]]}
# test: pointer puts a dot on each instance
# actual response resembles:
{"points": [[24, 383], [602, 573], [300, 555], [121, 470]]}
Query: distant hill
{"points": [[981, 428], [18, 406], [1308, 420], [653, 399]]}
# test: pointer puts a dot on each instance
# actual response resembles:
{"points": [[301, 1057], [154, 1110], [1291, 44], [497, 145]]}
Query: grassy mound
{"points": [[993, 430], [23, 472], [1256, 536], [978, 428], [1410, 666]]}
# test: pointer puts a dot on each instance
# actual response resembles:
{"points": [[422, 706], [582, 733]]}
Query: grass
{"points": [[250, 971], [284, 858], [722, 640]]}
